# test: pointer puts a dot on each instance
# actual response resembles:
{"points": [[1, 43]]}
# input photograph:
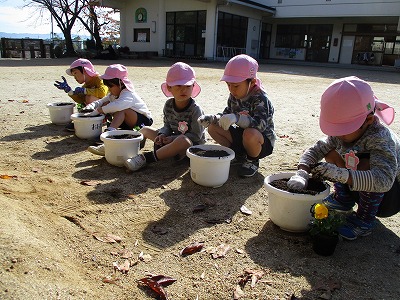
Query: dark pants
{"points": [[237, 144]]}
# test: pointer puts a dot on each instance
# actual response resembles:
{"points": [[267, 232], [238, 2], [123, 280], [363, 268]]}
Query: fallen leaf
{"points": [[199, 208], [159, 230], [326, 296], [238, 293], [114, 237], [334, 284], [89, 182], [156, 283], [7, 176], [245, 210], [250, 275], [125, 253], [192, 248], [163, 280], [220, 251], [124, 268], [111, 279], [145, 257], [25, 101], [109, 238]]}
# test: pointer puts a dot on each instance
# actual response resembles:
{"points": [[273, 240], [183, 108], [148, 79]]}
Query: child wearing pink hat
{"points": [[122, 102], [92, 88], [246, 124], [362, 156], [181, 129]]}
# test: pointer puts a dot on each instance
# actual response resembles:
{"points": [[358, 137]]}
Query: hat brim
{"points": [[339, 129], [128, 84], [91, 73], [195, 92]]}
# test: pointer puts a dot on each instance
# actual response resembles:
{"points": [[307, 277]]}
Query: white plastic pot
{"points": [[117, 150], [290, 211], [60, 112], [87, 127], [210, 171]]}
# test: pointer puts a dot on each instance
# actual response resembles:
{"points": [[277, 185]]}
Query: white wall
{"points": [[324, 8]]}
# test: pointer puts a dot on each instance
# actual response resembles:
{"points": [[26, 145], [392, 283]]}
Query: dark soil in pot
{"points": [[314, 186], [83, 116], [62, 104], [208, 153], [123, 136]]}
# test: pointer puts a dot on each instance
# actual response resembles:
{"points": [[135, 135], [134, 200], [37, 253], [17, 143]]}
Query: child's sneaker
{"points": [[248, 168], [331, 203], [238, 160], [135, 163], [98, 150], [355, 228]]}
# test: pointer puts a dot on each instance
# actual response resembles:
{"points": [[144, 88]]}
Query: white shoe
{"points": [[98, 150], [135, 163]]}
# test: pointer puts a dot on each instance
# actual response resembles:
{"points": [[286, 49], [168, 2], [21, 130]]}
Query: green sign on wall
{"points": [[141, 15]]}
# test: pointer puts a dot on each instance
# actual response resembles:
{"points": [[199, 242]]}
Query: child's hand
{"points": [[79, 90], [298, 181], [159, 140], [91, 106], [92, 114], [227, 120], [206, 120], [330, 172], [63, 85]]}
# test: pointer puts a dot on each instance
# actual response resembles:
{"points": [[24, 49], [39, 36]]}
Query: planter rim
{"points": [[301, 197], [57, 104], [231, 153], [105, 135], [77, 116]]}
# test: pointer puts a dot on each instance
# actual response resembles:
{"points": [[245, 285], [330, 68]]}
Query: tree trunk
{"points": [[70, 51]]}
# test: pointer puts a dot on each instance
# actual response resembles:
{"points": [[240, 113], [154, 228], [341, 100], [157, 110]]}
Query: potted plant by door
{"points": [[324, 229]]}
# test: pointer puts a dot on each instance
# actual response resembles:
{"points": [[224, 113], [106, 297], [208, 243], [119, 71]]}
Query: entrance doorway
{"points": [[265, 41], [184, 34], [318, 40]]}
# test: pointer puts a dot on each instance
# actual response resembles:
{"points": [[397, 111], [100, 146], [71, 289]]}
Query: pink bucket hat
{"points": [[346, 103], [239, 68], [181, 74], [118, 71], [84, 63]]}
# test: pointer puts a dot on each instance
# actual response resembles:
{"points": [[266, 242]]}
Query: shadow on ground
{"points": [[354, 263]]}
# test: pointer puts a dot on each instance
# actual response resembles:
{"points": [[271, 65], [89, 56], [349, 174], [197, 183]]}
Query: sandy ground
{"points": [[48, 214]]}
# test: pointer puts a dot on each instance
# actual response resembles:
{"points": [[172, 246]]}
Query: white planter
{"points": [[117, 150], [290, 211], [87, 127], [60, 112], [210, 171]]}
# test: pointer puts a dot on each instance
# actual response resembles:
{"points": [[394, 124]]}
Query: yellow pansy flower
{"points": [[320, 211]]}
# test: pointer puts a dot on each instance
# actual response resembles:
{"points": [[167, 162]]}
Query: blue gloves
{"points": [[63, 85], [79, 90]]}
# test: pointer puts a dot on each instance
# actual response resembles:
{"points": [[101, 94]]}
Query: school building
{"points": [[334, 31]]}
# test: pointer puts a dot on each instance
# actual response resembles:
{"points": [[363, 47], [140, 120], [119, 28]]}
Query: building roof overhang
{"points": [[252, 4]]}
